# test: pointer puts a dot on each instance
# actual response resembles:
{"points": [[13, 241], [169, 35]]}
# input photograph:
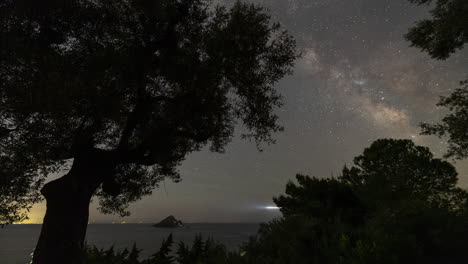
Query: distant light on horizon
{"points": [[271, 207]]}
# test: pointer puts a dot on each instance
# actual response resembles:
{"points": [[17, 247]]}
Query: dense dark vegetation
{"points": [[116, 93], [119, 92], [395, 204], [201, 251], [444, 32], [441, 35]]}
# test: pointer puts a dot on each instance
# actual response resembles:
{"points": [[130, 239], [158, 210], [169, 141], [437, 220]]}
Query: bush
{"points": [[201, 252]]}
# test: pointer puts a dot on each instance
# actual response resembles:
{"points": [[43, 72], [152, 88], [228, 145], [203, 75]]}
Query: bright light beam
{"points": [[271, 208]]}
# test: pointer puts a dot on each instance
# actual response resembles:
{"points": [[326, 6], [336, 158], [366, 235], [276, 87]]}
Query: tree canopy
{"points": [[134, 84], [394, 170], [395, 204], [441, 35], [455, 124], [445, 31]]}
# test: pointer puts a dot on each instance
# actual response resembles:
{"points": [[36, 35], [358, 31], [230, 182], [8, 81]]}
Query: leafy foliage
{"points": [[455, 124], [205, 251], [110, 256], [446, 30], [202, 251], [133, 86], [396, 204], [163, 256], [322, 199], [440, 36], [393, 170]]}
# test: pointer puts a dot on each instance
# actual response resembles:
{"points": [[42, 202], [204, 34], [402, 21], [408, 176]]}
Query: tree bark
{"points": [[64, 227]]}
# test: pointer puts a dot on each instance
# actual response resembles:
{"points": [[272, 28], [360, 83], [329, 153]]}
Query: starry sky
{"points": [[358, 80]]}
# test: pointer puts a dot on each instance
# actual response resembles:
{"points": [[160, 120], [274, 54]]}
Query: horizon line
{"points": [[133, 223]]}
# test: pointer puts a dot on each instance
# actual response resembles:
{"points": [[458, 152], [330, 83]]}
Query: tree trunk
{"points": [[66, 219]]}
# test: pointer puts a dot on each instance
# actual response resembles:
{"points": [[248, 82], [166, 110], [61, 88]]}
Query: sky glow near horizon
{"points": [[358, 80]]}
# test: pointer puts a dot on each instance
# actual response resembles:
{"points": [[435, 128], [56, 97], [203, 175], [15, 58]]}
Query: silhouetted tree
{"points": [[395, 204], [455, 124], [202, 251], [395, 170], [120, 92], [445, 31], [440, 36], [94, 255], [134, 253], [413, 232], [163, 256], [323, 199]]}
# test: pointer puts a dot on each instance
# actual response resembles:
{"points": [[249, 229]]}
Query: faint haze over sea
{"points": [[18, 241]]}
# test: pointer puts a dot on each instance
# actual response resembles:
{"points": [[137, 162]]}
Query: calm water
{"points": [[18, 241]]}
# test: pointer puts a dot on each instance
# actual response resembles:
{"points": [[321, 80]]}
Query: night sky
{"points": [[358, 80]]}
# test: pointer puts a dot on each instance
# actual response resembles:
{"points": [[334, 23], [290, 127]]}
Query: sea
{"points": [[17, 241]]}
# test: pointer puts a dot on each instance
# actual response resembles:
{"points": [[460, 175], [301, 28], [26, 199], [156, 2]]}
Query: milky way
{"points": [[357, 80]]}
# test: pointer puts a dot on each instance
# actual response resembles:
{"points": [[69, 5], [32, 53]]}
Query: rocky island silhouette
{"points": [[169, 222]]}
